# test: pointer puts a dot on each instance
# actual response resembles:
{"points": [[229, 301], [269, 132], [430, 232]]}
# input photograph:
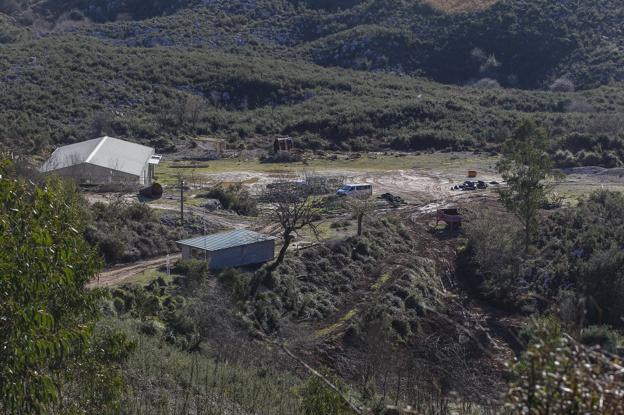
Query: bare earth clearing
{"points": [[120, 274]]}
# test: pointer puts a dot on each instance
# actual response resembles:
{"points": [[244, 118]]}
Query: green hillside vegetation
{"points": [[161, 95], [576, 258], [534, 42], [234, 70]]}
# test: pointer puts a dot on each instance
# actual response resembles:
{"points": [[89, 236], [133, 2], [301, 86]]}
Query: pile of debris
{"points": [[394, 201], [470, 185]]}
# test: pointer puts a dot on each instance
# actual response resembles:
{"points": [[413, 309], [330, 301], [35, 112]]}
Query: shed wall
{"points": [[242, 255], [237, 256], [92, 174]]}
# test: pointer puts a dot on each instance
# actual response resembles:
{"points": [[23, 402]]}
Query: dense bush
{"points": [[127, 232], [602, 336], [101, 10], [578, 254], [235, 198], [237, 282], [558, 375], [195, 270], [495, 252], [318, 398], [51, 360]]}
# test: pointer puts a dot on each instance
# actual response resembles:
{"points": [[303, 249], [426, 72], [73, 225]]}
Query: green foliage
{"points": [[94, 382], [318, 398], [602, 336], [493, 251], [576, 265], [558, 375], [126, 232], [195, 270], [235, 198], [46, 313], [249, 91], [525, 167], [98, 10], [516, 43], [317, 282], [163, 379], [580, 247], [237, 282]]}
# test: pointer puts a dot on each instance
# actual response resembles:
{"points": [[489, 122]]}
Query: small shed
{"points": [[230, 249], [210, 145], [283, 144]]}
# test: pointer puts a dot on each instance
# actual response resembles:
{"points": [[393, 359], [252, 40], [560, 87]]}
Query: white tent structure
{"points": [[104, 160]]}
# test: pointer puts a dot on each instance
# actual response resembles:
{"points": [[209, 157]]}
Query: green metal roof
{"points": [[224, 240]]}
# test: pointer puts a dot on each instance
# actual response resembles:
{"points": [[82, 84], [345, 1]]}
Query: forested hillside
{"points": [[417, 78]]}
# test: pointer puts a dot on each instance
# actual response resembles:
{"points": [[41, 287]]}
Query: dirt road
{"points": [[122, 273]]}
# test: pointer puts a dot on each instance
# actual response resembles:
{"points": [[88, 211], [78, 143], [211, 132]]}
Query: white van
{"points": [[355, 189]]}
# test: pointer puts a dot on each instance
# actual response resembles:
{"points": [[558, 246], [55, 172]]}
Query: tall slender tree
{"points": [[526, 167]]}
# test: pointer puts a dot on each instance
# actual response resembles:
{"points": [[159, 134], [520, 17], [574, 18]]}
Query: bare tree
{"points": [[294, 210], [360, 206], [187, 109], [193, 106]]}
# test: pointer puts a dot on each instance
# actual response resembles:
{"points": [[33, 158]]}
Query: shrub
{"points": [[602, 276], [560, 376], [151, 327], [562, 85], [181, 323], [487, 83], [234, 198], [602, 336], [318, 398], [495, 248], [195, 270], [401, 327], [119, 305], [125, 232], [237, 282]]}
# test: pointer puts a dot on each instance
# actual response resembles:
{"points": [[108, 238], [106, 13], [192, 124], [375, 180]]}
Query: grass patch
{"points": [[340, 323], [381, 281], [147, 276], [167, 174]]}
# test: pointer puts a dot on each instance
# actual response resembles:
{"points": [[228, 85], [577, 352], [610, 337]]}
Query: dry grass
{"points": [[461, 6]]}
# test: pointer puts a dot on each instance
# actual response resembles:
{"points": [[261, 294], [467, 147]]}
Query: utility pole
{"points": [[205, 251], [181, 202]]}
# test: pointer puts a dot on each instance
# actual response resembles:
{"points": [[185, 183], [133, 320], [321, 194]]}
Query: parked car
{"points": [[357, 189]]}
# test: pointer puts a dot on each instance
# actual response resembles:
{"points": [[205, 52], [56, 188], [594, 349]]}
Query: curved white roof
{"points": [[111, 153]]}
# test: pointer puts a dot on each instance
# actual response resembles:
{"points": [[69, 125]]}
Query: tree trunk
{"points": [[282, 253], [527, 233]]}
